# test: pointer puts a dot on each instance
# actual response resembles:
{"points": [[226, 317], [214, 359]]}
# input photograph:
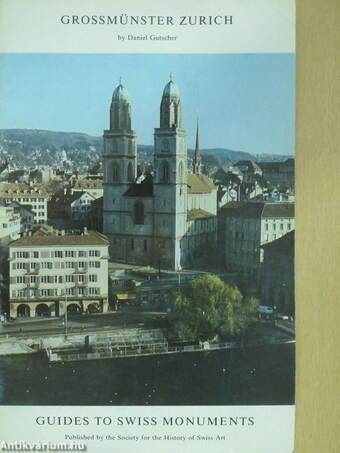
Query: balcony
{"points": [[34, 271], [81, 270]]}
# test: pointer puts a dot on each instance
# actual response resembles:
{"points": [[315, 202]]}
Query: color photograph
{"points": [[147, 229]]}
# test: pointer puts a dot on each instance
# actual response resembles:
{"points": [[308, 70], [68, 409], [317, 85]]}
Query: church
{"points": [[168, 217]]}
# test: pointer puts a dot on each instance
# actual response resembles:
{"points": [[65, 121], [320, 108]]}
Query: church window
{"points": [[165, 172], [165, 145], [115, 173], [130, 172], [180, 172], [139, 213]]}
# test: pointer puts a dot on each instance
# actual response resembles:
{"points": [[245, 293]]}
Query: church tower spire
{"points": [[197, 163], [171, 114]]}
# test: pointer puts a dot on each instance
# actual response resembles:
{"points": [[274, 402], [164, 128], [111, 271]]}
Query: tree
{"points": [[211, 308]]}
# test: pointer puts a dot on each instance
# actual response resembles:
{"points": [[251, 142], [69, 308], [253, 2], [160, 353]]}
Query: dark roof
{"points": [[275, 166], [143, 189], [251, 209], [283, 244], [198, 183], [195, 214], [92, 238], [250, 164]]}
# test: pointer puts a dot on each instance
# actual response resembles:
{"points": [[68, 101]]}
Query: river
{"points": [[262, 375]]}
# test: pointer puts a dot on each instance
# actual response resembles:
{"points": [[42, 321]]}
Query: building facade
{"points": [[35, 198], [10, 224], [148, 220], [50, 273], [246, 227], [277, 279]]}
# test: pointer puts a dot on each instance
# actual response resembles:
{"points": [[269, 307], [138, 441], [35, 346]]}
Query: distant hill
{"points": [[37, 137], [41, 147]]}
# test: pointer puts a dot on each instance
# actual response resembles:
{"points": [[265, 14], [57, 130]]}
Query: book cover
{"points": [[147, 189]]}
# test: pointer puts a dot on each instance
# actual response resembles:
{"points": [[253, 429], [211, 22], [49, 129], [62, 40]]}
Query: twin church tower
{"points": [[147, 220]]}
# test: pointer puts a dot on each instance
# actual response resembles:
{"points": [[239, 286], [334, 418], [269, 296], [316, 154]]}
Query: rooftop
{"points": [[88, 183], [12, 190], [251, 209], [195, 214], [91, 238], [283, 244], [198, 183]]}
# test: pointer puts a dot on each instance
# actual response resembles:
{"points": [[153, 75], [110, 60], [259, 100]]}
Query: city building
{"points": [[10, 224], [246, 227], [279, 174], [277, 279], [152, 220], [78, 206], [34, 197], [51, 270]]}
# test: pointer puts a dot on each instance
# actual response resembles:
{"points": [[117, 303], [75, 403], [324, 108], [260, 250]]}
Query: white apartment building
{"points": [[80, 205], [10, 224], [27, 195], [50, 273], [247, 225]]}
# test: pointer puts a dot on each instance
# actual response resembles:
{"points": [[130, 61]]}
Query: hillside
{"points": [[41, 147]]}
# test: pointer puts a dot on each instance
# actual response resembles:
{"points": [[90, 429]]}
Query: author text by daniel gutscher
{"points": [[145, 421]]}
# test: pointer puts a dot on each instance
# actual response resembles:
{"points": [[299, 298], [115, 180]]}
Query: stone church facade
{"points": [[166, 218]]}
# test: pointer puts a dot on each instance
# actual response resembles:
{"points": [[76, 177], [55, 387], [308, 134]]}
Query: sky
{"points": [[244, 102]]}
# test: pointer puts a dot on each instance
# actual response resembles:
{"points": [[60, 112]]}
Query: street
{"points": [[80, 323]]}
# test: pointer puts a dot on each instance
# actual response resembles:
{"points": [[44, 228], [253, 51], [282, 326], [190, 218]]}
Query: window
{"points": [[94, 253], [70, 254], [69, 278], [180, 171], [115, 173], [82, 254], [289, 226], [139, 213], [93, 291], [145, 245], [165, 172], [93, 278]]}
